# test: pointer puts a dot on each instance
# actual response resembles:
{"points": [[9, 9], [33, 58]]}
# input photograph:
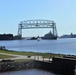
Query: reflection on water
{"points": [[28, 72], [35, 72]]}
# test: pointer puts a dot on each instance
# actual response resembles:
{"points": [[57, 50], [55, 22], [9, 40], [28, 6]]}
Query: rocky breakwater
{"points": [[12, 66]]}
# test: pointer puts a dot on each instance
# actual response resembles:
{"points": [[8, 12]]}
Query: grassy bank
{"points": [[5, 56], [45, 55]]}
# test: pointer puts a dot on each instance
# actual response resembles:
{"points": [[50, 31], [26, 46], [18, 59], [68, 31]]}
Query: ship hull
{"points": [[52, 38]]}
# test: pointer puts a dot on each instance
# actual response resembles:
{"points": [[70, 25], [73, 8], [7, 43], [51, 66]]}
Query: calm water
{"points": [[28, 72], [64, 46]]}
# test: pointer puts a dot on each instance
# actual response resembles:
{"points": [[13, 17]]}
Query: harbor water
{"points": [[62, 46], [28, 72]]}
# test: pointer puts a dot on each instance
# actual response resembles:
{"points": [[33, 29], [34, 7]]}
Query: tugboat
{"points": [[38, 38]]}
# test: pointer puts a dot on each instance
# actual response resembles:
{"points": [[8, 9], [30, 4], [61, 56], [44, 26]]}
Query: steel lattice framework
{"points": [[28, 24]]}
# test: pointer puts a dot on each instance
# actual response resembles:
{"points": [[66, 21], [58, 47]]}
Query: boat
{"points": [[38, 39], [49, 36]]}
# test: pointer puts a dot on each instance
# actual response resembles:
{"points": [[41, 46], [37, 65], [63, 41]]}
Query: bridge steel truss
{"points": [[28, 24]]}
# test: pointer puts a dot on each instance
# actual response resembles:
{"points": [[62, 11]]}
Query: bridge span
{"points": [[38, 23]]}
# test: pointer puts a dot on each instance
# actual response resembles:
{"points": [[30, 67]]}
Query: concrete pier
{"points": [[63, 65], [58, 65]]}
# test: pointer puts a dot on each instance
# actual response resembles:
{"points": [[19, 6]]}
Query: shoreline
{"points": [[25, 62], [30, 53]]}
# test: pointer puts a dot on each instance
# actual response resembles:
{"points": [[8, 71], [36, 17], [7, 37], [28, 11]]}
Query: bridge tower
{"points": [[54, 29], [20, 30], [29, 24]]}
